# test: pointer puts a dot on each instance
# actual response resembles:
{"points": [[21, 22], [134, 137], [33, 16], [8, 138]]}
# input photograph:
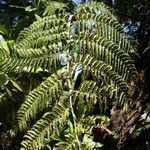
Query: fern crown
{"points": [[88, 59]]}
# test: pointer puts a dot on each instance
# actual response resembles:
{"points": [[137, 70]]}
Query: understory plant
{"points": [[86, 62]]}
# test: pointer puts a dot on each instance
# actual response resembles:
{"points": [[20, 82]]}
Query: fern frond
{"points": [[91, 38], [40, 40], [99, 19], [96, 8], [44, 63], [100, 67], [53, 6], [108, 83], [51, 123], [96, 88], [90, 93], [69, 143], [44, 96], [84, 129], [109, 52], [105, 26], [48, 22]]}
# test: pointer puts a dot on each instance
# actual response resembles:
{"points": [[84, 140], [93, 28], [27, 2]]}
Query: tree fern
{"points": [[87, 57]]}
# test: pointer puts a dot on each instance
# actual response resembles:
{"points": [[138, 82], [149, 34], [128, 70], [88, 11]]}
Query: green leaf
{"points": [[4, 31], [102, 117], [70, 126], [89, 143], [8, 92], [8, 45], [53, 6], [37, 17], [11, 44], [15, 84], [55, 138], [30, 8], [2, 40]]}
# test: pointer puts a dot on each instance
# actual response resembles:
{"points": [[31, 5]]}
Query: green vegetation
{"points": [[69, 81]]}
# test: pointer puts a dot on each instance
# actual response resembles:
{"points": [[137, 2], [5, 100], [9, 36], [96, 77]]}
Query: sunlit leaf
{"points": [[3, 31], [53, 6], [15, 84], [102, 117], [37, 17], [8, 92], [30, 8]]}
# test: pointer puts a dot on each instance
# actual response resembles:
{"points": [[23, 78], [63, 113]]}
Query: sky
{"points": [[77, 1]]}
